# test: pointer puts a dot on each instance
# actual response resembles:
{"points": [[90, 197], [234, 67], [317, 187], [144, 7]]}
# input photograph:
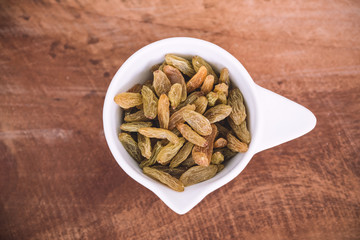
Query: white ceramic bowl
{"points": [[273, 119]]}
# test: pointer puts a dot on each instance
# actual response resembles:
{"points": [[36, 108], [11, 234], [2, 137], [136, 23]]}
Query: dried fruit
{"points": [[175, 172], [191, 99], [189, 162], [217, 158], [224, 76], [223, 131], [127, 112], [235, 144], [138, 116], [218, 113], [152, 159], [201, 104], [202, 155], [208, 84], [150, 102], [241, 131], [169, 151], [198, 174], [175, 76], [222, 99], [220, 168], [222, 90], [175, 95], [236, 101], [227, 153], [220, 143], [128, 99], [161, 83], [161, 133], [180, 63], [161, 68], [163, 111], [197, 80], [155, 67], [212, 97], [149, 84], [198, 122], [134, 126], [135, 89], [177, 117], [176, 132], [197, 62], [130, 146], [144, 145], [182, 155], [164, 178], [170, 158], [222, 87], [191, 135]]}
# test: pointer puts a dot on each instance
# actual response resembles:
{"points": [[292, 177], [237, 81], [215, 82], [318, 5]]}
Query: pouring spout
{"points": [[282, 120]]}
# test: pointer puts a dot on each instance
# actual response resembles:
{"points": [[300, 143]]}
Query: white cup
{"points": [[272, 119]]}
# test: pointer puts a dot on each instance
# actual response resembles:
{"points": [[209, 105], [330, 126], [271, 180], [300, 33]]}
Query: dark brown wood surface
{"points": [[58, 179]]}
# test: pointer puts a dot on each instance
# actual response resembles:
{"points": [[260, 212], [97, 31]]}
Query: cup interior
{"points": [[137, 70]]}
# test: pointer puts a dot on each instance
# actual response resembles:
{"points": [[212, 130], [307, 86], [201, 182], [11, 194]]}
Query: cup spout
{"points": [[182, 202], [282, 120]]}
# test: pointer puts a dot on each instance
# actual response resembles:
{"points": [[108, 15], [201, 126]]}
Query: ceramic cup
{"points": [[272, 119]]}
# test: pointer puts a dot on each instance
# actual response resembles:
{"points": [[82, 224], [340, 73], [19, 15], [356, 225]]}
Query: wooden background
{"points": [[58, 179]]}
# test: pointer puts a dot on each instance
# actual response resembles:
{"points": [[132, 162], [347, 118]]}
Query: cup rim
{"points": [[142, 178]]}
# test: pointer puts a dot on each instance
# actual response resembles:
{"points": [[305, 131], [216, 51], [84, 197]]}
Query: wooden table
{"points": [[58, 179]]}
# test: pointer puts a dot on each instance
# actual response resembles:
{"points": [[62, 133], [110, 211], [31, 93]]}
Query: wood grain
{"points": [[58, 179]]}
